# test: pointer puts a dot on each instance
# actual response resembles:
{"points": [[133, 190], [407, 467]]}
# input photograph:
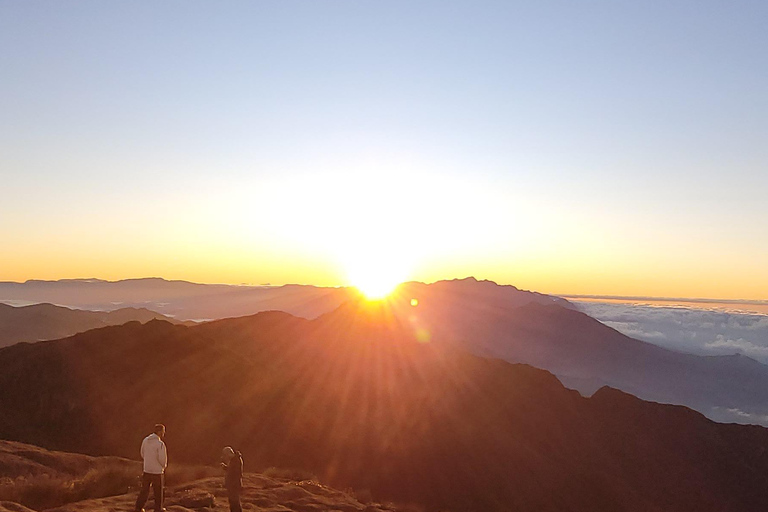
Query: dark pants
{"points": [[157, 486], [234, 500]]}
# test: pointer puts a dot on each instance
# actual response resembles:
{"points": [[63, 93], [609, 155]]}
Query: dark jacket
{"points": [[234, 477]]}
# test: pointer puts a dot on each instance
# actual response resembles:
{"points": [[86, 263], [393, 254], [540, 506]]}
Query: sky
{"points": [[612, 147]]}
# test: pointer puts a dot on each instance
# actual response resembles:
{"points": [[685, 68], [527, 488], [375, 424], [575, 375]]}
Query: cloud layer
{"points": [[694, 330]]}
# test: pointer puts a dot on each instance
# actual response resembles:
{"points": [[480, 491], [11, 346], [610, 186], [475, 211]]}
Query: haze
{"points": [[573, 148]]}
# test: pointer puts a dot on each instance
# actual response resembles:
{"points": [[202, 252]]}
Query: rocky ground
{"points": [[28, 474], [9, 506], [260, 493]]}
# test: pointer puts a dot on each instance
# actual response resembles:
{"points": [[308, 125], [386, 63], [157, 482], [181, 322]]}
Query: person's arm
{"points": [[162, 456], [238, 472]]}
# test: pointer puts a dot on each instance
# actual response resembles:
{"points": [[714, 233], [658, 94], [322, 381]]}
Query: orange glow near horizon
{"points": [[625, 278], [374, 231]]}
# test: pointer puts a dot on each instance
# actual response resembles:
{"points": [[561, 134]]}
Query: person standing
{"points": [[155, 458], [233, 481]]}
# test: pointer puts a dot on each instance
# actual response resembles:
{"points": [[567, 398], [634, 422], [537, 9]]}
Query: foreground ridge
{"points": [[260, 492]]}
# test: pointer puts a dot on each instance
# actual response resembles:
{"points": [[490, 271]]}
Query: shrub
{"points": [[107, 478], [102, 482], [40, 491], [290, 474], [364, 496]]}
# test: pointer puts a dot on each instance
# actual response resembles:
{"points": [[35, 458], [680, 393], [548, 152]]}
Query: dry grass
{"points": [[178, 474], [290, 474], [107, 479]]}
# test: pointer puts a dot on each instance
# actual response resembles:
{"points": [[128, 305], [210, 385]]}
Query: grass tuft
{"points": [[106, 478], [290, 474]]}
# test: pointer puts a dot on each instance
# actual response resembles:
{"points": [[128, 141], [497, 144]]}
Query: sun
{"points": [[376, 274], [375, 283], [374, 287]]}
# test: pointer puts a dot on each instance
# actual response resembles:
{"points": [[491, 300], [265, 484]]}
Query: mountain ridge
{"points": [[490, 320], [60, 481], [45, 321], [186, 300], [585, 354], [365, 405]]}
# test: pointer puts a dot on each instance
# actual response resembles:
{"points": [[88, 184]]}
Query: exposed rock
{"points": [[196, 499], [9, 506]]}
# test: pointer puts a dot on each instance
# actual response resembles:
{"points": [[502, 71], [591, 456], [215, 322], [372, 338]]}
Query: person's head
{"points": [[227, 453], [160, 430]]}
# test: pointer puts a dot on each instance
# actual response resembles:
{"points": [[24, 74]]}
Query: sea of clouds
{"points": [[703, 331]]}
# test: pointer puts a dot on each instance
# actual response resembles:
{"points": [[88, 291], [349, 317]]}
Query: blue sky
{"points": [[646, 122]]}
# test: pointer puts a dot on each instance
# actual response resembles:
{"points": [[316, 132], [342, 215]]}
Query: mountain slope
{"points": [[359, 398], [479, 316], [259, 492], [24, 460], [39, 478], [586, 354], [47, 322], [43, 479]]}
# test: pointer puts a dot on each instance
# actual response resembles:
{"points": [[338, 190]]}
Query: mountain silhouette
{"points": [[180, 299], [479, 316], [46, 322], [193, 301], [362, 399], [586, 354]]}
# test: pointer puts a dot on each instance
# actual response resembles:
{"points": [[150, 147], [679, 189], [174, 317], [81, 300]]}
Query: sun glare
{"points": [[378, 227], [375, 288], [375, 277]]}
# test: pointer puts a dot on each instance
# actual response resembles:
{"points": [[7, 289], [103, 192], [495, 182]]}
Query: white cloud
{"points": [[735, 415], [704, 331], [739, 345]]}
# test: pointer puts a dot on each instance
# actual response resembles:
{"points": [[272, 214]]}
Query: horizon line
{"points": [[703, 300]]}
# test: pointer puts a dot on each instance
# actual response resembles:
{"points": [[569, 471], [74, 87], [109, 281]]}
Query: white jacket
{"points": [[154, 454]]}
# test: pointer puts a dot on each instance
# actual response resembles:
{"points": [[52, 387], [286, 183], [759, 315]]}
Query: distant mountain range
{"points": [[478, 316], [179, 299], [368, 397], [192, 301], [46, 322]]}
